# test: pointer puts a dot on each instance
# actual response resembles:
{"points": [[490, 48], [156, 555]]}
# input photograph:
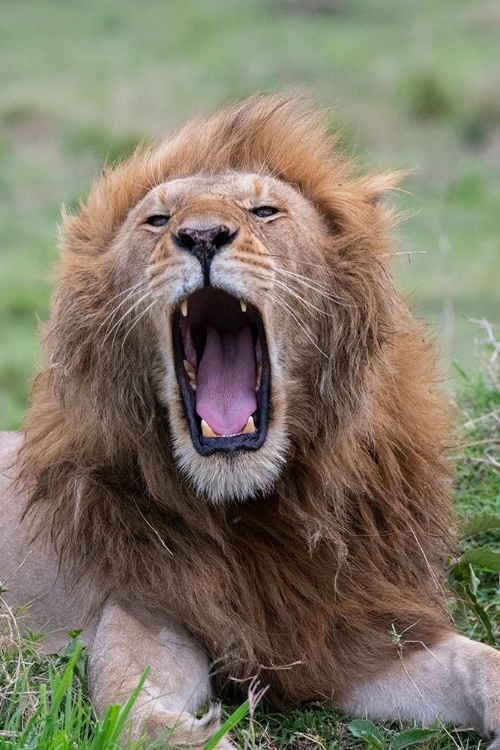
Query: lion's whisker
{"points": [[155, 531], [131, 292], [124, 292], [129, 309], [306, 281], [125, 314], [297, 261], [300, 323], [308, 305], [141, 315]]}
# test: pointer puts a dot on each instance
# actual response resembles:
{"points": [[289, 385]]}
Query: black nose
{"points": [[204, 243]]}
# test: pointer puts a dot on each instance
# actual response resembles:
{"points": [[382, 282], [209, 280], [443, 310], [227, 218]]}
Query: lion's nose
{"points": [[204, 243]]}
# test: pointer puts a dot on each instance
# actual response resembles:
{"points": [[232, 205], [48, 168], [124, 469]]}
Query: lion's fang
{"points": [[259, 376], [249, 427], [184, 307], [243, 306], [207, 430], [191, 370]]}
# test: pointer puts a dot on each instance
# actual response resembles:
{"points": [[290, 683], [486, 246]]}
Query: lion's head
{"points": [[213, 262], [230, 284]]}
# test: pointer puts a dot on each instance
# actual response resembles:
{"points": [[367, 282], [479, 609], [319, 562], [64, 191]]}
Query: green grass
{"points": [[413, 85], [44, 701]]}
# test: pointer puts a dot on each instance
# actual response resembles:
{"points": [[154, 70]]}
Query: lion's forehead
{"points": [[242, 187]]}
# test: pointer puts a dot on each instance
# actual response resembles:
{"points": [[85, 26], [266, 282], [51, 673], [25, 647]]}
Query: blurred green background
{"points": [[412, 85]]}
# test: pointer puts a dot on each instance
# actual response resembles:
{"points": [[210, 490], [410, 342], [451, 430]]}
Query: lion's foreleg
{"points": [[128, 640], [456, 682]]}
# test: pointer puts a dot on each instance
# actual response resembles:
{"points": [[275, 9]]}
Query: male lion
{"points": [[234, 451]]}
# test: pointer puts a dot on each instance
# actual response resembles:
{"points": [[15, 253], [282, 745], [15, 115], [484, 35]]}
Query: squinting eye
{"points": [[158, 220], [264, 211]]}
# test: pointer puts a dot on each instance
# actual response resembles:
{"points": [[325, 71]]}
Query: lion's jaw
{"points": [[218, 323]]}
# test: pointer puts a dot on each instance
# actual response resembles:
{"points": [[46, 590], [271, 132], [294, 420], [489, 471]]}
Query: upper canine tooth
{"points": [[259, 377], [243, 306], [190, 369], [207, 430], [249, 427], [184, 307]]}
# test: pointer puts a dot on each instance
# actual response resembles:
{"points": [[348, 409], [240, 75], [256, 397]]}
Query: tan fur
{"points": [[294, 562]]}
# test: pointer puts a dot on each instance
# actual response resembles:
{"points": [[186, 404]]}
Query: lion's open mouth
{"points": [[223, 370]]}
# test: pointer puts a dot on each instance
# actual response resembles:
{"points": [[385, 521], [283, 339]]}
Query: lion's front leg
{"points": [[127, 640], [456, 682]]}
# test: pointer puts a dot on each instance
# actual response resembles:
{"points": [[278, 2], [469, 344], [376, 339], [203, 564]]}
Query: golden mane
{"points": [[348, 545]]}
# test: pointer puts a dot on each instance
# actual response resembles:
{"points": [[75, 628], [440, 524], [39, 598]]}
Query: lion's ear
{"points": [[376, 187], [356, 211], [375, 214]]}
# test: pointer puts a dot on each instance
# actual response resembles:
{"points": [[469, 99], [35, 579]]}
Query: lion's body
{"points": [[296, 559]]}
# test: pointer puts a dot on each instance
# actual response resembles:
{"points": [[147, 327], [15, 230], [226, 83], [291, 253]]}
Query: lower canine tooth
{"points": [[207, 430], [249, 427]]}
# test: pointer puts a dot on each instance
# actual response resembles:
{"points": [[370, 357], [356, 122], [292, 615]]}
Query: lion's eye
{"points": [[264, 211], [158, 220]]}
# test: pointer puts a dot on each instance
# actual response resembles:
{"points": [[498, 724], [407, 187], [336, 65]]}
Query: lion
{"points": [[234, 461]]}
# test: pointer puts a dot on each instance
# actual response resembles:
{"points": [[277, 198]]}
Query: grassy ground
{"points": [[414, 85], [44, 703]]}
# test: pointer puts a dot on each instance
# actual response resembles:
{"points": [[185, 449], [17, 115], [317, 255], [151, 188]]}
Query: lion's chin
{"points": [[232, 476]]}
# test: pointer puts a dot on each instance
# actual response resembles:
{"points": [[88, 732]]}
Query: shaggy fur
{"points": [[302, 584]]}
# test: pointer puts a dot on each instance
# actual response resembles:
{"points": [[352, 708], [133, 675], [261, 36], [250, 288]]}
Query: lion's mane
{"points": [[305, 584]]}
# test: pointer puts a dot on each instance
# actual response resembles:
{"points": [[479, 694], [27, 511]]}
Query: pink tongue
{"points": [[225, 391]]}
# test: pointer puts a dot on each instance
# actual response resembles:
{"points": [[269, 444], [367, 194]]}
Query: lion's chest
{"points": [[263, 604]]}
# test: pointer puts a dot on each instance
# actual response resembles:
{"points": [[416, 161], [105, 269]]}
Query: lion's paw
{"points": [[185, 731]]}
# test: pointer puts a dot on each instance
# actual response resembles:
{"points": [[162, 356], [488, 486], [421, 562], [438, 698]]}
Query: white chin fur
{"points": [[231, 476]]}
